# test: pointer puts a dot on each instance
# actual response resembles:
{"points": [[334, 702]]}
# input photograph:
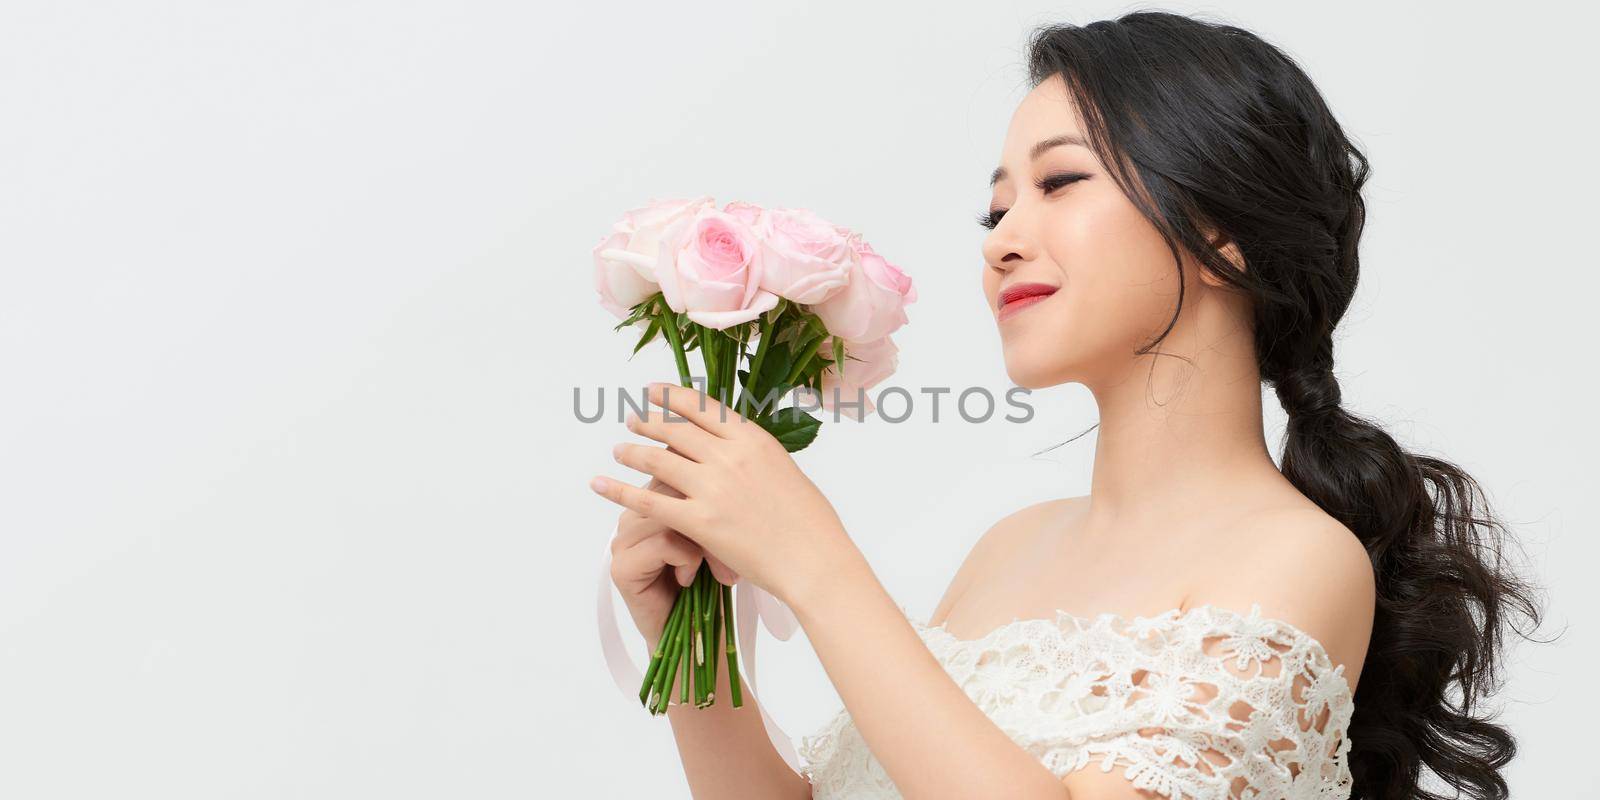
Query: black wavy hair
{"points": [[1208, 128]]}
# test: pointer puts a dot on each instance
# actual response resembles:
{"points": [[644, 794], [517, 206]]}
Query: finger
{"points": [[698, 407], [674, 431], [639, 565], [670, 511], [721, 572], [663, 488], [633, 528], [665, 465], [685, 574]]}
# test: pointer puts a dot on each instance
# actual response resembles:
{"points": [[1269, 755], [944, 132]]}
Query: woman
{"points": [[1174, 221]]}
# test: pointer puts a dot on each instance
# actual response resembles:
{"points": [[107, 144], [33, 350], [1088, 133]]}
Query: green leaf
{"points": [[789, 331], [776, 366], [838, 356], [793, 428], [817, 328], [649, 334], [765, 401], [640, 310]]}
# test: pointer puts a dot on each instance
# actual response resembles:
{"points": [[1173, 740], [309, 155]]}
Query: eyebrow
{"points": [[1038, 150]]}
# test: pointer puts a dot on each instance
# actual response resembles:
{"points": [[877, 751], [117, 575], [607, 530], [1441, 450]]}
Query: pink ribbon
{"points": [[750, 602]]}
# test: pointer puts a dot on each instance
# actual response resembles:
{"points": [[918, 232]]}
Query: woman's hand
{"points": [[739, 494], [650, 562]]}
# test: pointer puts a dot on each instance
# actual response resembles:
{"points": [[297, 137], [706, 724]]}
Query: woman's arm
{"points": [[931, 739], [745, 501], [725, 750]]}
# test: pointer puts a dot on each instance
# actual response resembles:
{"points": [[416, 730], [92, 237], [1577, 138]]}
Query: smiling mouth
{"points": [[1018, 298]]}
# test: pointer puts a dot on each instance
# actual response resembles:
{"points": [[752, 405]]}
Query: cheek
{"points": [[990, 285], [1121, 282]]}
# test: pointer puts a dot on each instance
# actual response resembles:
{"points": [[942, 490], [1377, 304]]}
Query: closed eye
{"points": [[1049, 183]]}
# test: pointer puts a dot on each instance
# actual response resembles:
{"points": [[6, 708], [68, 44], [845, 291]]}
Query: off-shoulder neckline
{"points": [[1319, 653], [1174, 613]]}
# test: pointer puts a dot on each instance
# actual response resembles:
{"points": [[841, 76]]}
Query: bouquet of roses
{"points": [[776, 301]]}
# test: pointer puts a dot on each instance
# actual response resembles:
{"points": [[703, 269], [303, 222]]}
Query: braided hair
{"points": [[1209, 128]]}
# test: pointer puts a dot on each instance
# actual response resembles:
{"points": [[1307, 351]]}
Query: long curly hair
{"points": [[1209, 128]]}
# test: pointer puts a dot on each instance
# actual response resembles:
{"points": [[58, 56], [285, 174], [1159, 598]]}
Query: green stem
{"points": [[668, 640], [730, 367], [699, 623], [670, 659], [659, 654], [691, 675], [805, 359], [716, 632], [708, 657], [733, 649], [708, 344], [688, 660], [694, 608], [752, 381], [669, 326]]}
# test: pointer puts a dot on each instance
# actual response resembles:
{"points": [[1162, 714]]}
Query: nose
{"points": [[1008, 243], [1004, 251], [1007, 263]]}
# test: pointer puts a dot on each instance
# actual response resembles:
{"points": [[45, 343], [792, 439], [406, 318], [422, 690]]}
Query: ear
{"points": [[1229, 250]]}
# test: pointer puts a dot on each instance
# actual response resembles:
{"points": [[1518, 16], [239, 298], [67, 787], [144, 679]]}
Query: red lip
{"points": [[1021, 292]]}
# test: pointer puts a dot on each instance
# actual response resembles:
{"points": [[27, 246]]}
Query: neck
{"points": [[1178, 434]]}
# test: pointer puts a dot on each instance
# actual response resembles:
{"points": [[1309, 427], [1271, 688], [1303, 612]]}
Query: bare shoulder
{"points": [[1305, 568], [998, 542]]}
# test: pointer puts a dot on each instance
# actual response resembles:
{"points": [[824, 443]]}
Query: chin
{"points": [[1030, 374]]}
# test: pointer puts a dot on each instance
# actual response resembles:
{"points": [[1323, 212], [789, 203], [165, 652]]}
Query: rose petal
{"points": [[764, 301]]}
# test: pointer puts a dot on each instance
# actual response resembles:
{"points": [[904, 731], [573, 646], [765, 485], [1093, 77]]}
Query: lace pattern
{"points": [[1203, 704]]}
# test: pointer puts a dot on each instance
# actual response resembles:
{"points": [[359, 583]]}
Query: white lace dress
{"points": [[1203, 704]]}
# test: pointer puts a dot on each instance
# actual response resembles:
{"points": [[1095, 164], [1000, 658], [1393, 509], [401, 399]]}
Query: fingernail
{"points": [[598, 484]]}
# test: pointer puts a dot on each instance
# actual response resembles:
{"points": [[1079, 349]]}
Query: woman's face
{"points": [[1111, 276]]}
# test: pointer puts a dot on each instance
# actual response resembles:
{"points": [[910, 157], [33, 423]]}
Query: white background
{"points": [[293, 296]]}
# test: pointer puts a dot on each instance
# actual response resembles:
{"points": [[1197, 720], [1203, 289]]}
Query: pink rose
{"points": [[872, 304], [710, 267], [748, 213], [625, 259], [878, 359], [805, 257]]}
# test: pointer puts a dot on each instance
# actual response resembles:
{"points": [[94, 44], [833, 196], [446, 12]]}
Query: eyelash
{"points": [[990, 219]]}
